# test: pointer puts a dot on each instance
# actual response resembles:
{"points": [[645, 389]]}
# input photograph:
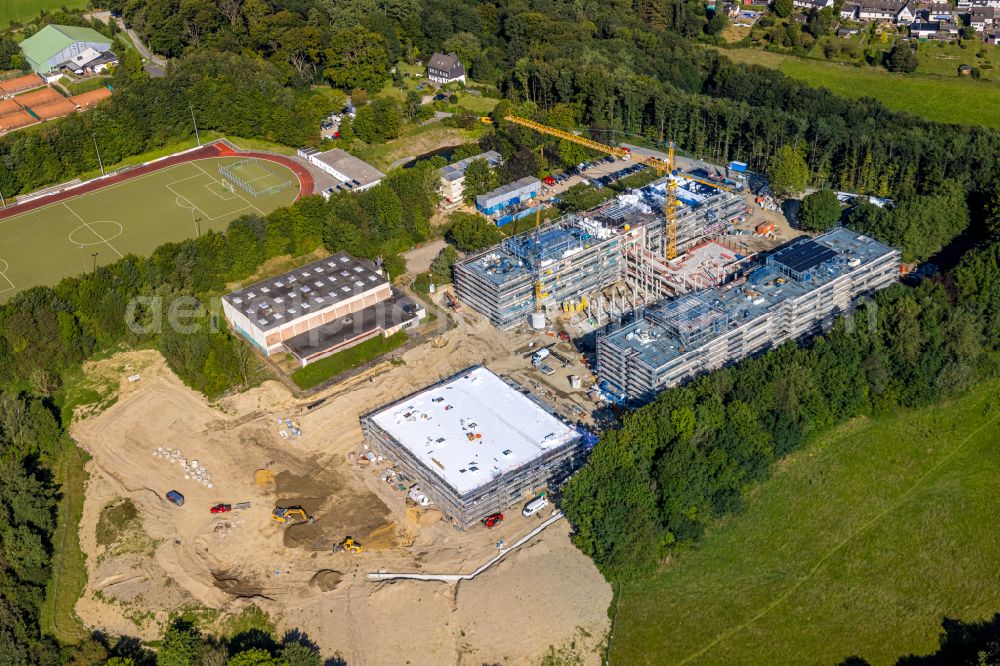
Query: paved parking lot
{"points": [[598, 169]]}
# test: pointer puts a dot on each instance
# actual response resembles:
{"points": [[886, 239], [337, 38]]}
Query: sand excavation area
{"points": [[145, 563]]}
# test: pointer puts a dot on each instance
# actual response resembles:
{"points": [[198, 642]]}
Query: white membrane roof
{"points": [[472, 428]]}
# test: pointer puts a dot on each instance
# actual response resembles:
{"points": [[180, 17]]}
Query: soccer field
{"points": [[135, 216]]}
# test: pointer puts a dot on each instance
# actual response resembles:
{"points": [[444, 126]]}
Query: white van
{"points": [[539, 356], [534, 506]]}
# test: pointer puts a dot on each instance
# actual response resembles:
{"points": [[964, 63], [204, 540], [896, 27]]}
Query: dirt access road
{"points": [[547, 594]]}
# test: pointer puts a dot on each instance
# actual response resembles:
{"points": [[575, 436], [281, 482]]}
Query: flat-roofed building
{"points": [[797, 291], [354, 174], [476, 443], [320, 308], [508, 195]]}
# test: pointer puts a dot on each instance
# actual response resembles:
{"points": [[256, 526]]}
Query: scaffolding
{"points": [[691, 318], [795, 293], [602, 261]]}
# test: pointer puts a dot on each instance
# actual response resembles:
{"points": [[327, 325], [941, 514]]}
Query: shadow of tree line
{"points": [[960, 644], [184, 644]]}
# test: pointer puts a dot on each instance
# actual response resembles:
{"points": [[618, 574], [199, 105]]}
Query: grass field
{"points": [[861, 544], [69, 567], [949, 100], [47, 244], [323, 369], [25, 10], [415, 140]]}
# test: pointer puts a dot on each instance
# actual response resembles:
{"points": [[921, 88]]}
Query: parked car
{"points": [[439, 97], [221, 508], [534, 506], [175, 497], [549, 180], [493, 520]]}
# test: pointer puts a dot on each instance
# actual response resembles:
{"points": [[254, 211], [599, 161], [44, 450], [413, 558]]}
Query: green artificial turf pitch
{"points": [[42, 246]]}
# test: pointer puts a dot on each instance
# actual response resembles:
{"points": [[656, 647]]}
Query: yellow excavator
{"points": [[290, 514], [348, 545]]}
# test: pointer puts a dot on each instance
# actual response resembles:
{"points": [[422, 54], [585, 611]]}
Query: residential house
{"points": [[924, 29], [981, 18], [885, 11], [445, 68], [940, 11], [813, 4], [849, 12]]}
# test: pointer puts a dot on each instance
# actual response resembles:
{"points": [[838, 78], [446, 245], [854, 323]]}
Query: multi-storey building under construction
{"points": [[562, 264], [793, 294]]}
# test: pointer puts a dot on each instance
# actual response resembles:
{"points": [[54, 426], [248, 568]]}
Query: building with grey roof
{"points": [[319, 309], [452, 184], [508, 195], [798, 290], [354, 174], [445, 68]]}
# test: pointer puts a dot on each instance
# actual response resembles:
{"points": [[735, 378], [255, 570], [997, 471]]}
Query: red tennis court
{"points": [[88, 99], [13, 121], [54, 109], [11, 86], [39, 97], [8, 106]]}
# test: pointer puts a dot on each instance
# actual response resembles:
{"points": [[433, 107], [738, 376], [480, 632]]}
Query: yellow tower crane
{"points": [[661, 166]]}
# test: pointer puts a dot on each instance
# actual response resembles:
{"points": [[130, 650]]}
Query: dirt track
{"points": [[547, 594]]}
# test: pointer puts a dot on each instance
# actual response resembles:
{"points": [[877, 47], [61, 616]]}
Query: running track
{"points": [[219, 148]]}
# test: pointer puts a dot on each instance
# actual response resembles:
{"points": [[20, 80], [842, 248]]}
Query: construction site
{"points": [[564, 265], [476, 443], [797, 290], [398, 515], [642, 246], [289, 505]]}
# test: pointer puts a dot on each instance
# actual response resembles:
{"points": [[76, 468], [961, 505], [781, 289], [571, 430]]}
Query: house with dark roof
{"points": [[849, 11], [889, 11], [981, 18], [813, 4], [940, 11], [924, 29], [443, 68]]}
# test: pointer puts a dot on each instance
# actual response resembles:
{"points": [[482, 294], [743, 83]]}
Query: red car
{"points": [[549, 180], [221, 508], [492, 521]]}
